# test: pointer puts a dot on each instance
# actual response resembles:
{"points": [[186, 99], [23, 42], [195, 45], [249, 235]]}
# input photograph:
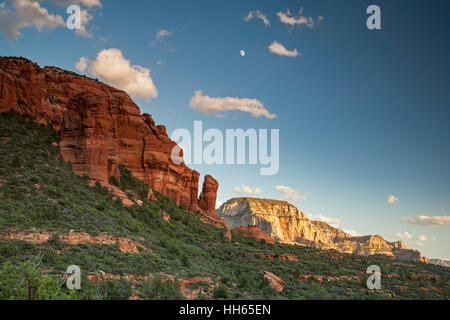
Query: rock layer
{"points": [[75, 238], [274, 281], [101, 127], [287, 224], [254, 232]]}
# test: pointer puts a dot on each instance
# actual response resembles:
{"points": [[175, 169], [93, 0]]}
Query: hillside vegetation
{"points": [[39, 192]]}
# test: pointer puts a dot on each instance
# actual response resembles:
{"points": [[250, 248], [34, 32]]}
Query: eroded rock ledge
{"points": [[75, 238]]}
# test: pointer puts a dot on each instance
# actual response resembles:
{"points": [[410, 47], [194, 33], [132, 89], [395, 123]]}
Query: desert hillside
{"points": [[132, 241]]}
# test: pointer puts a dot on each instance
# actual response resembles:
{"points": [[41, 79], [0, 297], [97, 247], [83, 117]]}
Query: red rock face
{"points": [[101, 127], [274, 281], [254, 232], [207, 200]]}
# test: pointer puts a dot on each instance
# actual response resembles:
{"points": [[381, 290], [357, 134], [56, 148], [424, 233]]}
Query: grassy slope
{"points": [[185, 247]]}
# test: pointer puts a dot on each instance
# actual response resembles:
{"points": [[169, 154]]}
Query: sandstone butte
{"points": [[102, 128], [287, 224]]}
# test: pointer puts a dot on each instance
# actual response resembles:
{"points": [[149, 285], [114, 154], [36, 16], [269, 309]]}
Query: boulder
{"points": [[274, 281]]}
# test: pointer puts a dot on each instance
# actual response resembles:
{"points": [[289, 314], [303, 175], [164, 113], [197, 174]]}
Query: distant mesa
{"points": [[287, 224], [440, 262]]}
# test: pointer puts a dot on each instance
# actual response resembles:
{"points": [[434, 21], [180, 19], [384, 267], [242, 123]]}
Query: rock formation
{"points": [[207, 200], [287, 224], [101, 127], [75, 238], [274, 281], [254, 232]]}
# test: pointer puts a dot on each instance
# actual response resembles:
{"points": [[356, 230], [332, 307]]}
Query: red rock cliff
{"points": [[101, 127], [207, 200]]}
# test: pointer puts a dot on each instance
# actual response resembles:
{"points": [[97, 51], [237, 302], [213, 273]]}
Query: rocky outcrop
{"points": [[189, 288], [272, 256], [287, 224], [75, 238], [207, 199], [254, 232], [274, 281], [101, 127], [322, 278]]}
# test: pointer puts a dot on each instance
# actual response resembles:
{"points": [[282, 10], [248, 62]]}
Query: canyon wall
{"points": [[287, 224], [101, 127]]}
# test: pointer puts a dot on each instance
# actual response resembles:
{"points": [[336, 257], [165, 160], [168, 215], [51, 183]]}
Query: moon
{"points": [[242, 53]]}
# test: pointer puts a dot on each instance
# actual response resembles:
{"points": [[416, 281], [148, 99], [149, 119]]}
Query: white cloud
{"points": [[111, 66], [30, 13], [422, 238], [403, 235], [249, 17], [85, 19], [26, 13], [242, 190], [331, 221], [290, 194], [300, 20], [82, 64], [434, 221], [420, 244], [162, 34], [213, 106], [353, 233], [279, 49], [391, 199], [86, 14], [259, 15], [218, 204]]}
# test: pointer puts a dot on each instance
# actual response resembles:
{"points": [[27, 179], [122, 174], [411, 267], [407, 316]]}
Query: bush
{"points": [[115, 290], [220, 292], [8, 250], [26, 282], [161, 289]]}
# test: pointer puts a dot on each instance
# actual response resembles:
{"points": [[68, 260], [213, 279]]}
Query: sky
{"points": [[363, 115]]}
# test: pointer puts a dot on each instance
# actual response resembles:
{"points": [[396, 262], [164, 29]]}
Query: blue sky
{"points": [[362, 114]]}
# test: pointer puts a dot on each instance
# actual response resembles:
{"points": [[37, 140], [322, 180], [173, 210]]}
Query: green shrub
{"points": [[26, 282], [159, 288], [115, 290], [220, 292]]}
